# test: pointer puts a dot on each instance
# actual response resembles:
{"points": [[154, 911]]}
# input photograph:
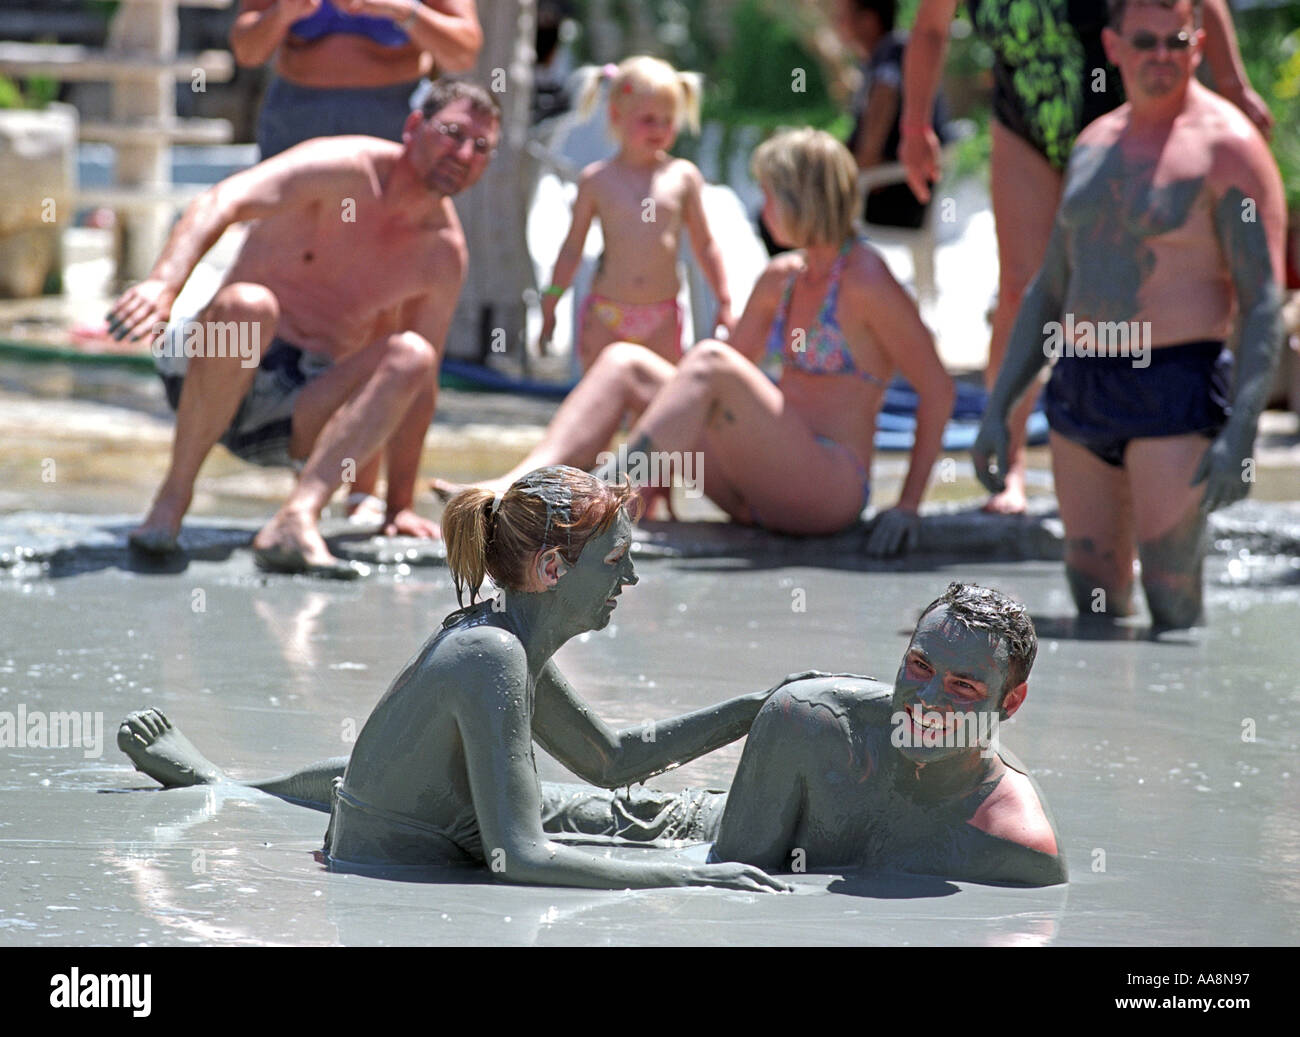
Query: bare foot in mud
{"points": [[1012, 500], [162, 752], [291, 543], [157, 534]]}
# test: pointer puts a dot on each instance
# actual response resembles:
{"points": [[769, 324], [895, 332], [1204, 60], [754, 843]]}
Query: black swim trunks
{"points": [[263, 424], [1103, 402]]}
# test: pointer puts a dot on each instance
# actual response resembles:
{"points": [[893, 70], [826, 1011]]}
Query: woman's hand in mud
{"points": [[992, 444], [894, 532], [141, 309], [737, 876]]}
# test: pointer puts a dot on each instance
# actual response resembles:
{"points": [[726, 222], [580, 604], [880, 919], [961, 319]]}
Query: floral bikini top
{"points": [[824, 349]]}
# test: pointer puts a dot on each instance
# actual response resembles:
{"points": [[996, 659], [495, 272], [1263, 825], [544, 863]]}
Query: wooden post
{"points": [[491, 314], [148, 29]]}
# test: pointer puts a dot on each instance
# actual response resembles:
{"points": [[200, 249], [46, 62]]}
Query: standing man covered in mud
{"points": [[347, 283], [1172, 218]]}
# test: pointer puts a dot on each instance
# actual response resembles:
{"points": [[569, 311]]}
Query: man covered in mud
{"points": [[345, 288], [1171, 223], [838, 771]]}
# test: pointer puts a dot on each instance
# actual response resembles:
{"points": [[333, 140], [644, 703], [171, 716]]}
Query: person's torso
{"points": [[342, 265], [836, 390], [641, 214], [409, 758], [330, 48], [1049, 58], [1143, 246]]}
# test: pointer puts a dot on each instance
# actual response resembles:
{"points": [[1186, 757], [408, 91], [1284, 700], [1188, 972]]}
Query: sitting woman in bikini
{"points": [[786, 413]]}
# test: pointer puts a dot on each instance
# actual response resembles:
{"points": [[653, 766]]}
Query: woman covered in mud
{"points": [[443, 771], [785, 413]]}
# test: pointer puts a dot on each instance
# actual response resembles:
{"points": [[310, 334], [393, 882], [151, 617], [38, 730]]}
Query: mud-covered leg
{"points": [[638, 814], [161, 750], [1099, 536], [1171, 528]]}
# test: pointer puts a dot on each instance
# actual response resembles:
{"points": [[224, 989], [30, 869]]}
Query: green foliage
{"points": [[37, 93], [1270, 49], [767, 73]]}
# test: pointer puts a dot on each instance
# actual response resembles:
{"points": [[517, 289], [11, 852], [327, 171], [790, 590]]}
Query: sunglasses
{"points": [[1147, 41], [482, 145]]}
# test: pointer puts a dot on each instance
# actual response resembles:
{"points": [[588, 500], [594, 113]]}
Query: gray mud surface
{"points": [[1177, 828]]}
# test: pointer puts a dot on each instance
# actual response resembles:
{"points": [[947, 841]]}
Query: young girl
{"points": [[643, 197]]}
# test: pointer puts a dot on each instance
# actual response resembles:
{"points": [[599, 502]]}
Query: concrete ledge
{"points": [[39, 543]]}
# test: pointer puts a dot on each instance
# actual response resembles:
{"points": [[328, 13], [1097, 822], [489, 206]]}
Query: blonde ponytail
{"points": [[465, 525], [692, 86], [587, 88]]}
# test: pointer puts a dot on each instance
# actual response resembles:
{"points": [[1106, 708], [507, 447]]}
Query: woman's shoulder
{"points": [[865, 268], [475, 632]]}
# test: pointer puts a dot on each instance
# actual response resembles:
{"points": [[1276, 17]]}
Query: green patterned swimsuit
{"points": [[1051, 77]]}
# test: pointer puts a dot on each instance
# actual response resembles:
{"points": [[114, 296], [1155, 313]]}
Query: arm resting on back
{"points": [[568, 729]]}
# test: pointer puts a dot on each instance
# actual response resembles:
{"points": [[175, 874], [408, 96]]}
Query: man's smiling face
{"points": [[948, 672]]}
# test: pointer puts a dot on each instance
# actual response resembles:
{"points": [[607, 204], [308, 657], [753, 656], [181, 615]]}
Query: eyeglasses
{"points": [[456, 132], [1145, 41]]}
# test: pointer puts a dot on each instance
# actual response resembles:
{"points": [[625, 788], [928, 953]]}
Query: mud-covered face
{"points": [[948, 690], [588, 590]]}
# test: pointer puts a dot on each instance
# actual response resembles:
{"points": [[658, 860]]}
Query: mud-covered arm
{"points": [[568, 729], [1249, 224], [766, 800], [492, 714], [1025, 357]]}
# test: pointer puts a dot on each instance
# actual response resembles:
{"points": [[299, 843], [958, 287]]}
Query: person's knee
{"points": [[632, 365], [409, 355], [244, 300], [710, 359]]}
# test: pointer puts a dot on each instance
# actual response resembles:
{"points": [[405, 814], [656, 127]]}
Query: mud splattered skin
{"points": [[854, 800], [1110, 210]]}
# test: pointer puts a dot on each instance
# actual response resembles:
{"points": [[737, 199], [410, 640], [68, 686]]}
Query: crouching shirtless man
{"points": [[839, 770], [345, 287]]}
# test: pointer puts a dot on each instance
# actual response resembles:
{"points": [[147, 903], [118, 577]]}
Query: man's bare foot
{"points": [[1012, 500], [162, 752], [291, 543], [364, 509], [445, 490], [157, 534]]}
